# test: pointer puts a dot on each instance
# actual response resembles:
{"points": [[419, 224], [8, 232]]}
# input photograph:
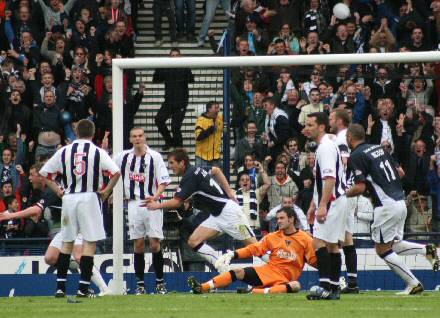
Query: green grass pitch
{"points": [[367, 304]]}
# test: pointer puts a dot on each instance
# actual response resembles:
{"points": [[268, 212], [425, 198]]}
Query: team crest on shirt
{"points": [[287, 242], [357, 172]]}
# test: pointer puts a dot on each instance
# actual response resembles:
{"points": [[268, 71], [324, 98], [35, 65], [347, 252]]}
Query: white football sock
{"points": [[208, 253], [96, 275], [409, 248], [399, 267], [98, 280]]}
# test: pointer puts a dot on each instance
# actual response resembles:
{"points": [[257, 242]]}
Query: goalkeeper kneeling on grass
{"points": [[289, 249]]}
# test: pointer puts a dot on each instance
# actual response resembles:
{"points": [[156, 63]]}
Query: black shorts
{"points": [[251, 277]]}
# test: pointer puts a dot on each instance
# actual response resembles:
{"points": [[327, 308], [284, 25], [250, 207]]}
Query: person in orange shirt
{"points": [[289, 247]]}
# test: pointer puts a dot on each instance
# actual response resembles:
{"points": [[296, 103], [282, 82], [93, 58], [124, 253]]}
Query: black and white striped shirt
{"points": [[141, 174], [81, 166], [328, 163]]}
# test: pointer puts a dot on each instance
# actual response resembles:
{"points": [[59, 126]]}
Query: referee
{"points": [[81, 166], [145, 176]]}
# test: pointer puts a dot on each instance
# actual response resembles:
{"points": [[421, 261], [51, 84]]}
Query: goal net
{"points": [[299, 84]]}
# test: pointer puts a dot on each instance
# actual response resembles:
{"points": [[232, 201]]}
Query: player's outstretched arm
{"points": [[31, 211], [174, 203], [221, 179], [255, 249], [160, 189]]}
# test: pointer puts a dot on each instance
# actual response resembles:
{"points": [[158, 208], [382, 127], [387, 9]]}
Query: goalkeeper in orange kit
{"points": [[289, 248]]}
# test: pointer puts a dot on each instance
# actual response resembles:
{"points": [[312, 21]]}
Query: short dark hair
{"points": [[290, 212], [270, 100], [179, 154], [85, 128], [210, 104], [6, 182], [9, 199], [357, 132], [279, 41], [314, 89], [342, 114], [321, 119], [8, 149]]}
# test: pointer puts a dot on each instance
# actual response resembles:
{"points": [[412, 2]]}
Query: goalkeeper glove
{"points": [[222, 263]]}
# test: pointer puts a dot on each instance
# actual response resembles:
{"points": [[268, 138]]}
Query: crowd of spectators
{"points": [[397, 104], [56, 69]]}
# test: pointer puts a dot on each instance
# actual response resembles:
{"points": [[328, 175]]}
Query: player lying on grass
{"points": [[289, 247], [49, 199]]}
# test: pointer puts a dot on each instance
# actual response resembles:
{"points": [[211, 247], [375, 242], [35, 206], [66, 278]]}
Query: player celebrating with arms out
{"points": [[289, 249], [144, 175], [375, 170], [210, 193]]}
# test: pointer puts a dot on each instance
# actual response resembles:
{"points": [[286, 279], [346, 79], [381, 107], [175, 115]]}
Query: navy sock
{"points": [[139, 268]]}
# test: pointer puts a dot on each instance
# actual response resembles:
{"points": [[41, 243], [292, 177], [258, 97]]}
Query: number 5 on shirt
{"points": [[79, 163]]}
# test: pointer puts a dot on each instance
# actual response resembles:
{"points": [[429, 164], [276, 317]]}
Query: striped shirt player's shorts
{"points": [[143, 222], [57, 241], [82, 214], [333, 229]]}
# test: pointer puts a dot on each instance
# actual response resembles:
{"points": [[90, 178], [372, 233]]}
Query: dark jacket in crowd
{"points": [[176, 84]]}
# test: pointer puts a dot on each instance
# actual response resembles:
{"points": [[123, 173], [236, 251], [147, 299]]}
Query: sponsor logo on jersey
{"points": [[139, 177], [377, 153], [287, 255]]}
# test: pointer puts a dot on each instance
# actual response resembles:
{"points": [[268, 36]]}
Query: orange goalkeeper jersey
{"points": [[288, 253]]}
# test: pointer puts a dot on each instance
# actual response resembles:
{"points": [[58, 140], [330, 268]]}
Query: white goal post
{"points": [[117, 284]]}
